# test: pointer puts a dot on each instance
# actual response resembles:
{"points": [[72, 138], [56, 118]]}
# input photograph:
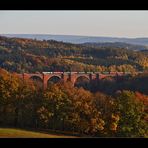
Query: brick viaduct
{"points": [[70, 76]]}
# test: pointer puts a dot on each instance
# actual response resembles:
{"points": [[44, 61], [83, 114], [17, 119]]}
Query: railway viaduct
{"points": [[45, 77]]}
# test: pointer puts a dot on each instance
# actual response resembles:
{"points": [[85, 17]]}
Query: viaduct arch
{"points": [[54, 79], [46, 77]]}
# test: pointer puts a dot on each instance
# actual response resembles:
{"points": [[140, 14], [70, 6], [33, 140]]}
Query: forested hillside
{"points": [[111, 108], [28, 55], [117, 45]]}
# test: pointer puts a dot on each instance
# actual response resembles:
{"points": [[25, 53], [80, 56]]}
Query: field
{"points": [[19, 133]]}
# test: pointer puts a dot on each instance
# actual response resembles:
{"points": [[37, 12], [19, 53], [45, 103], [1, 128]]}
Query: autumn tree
{"points": [[107, 106], [54, 107], [131, 110]]}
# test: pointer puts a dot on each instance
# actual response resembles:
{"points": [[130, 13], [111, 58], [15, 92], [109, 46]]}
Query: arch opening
{"points": [[37, 81], [53, 80], [82, 81]]}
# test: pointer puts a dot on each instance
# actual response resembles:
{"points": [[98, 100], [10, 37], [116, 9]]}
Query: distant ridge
{"points": [[81, 39]]}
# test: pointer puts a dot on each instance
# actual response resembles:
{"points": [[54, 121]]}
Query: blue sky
{"points": [[91, 23]]}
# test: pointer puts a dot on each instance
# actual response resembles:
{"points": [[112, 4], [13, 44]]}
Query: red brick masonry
{"points": [[72, 76]]}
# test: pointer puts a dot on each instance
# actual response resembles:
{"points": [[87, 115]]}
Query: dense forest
{"points": [[110, 108], [28, 55], [70, 109]]}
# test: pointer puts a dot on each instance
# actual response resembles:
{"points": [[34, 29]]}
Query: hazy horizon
{"points": [[70, 35], [123, 24]]}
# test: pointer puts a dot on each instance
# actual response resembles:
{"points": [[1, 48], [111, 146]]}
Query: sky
{"points": [[87, 23]]}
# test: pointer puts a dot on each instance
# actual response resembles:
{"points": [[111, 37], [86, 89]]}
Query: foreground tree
{"points": [[18, 100], [107, 106], [53, 111], [68, 108], [132, 121]]}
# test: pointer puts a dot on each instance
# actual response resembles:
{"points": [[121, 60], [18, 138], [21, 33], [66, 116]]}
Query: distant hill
{"points": [[80, 39], [117, 45]]}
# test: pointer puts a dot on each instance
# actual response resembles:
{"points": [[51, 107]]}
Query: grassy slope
{"points": [[19, 133]]}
